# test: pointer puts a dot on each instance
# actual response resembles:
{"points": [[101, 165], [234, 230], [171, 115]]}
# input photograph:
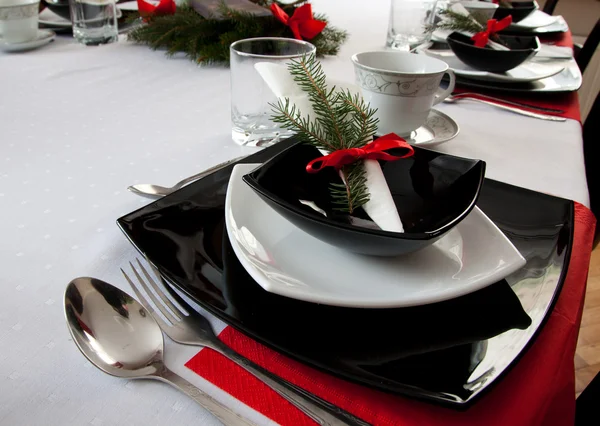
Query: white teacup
{"points": [[402, 86], [19, 20], [481, 9]]}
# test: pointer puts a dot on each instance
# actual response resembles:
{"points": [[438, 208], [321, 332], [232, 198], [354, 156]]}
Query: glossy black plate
{"points": [[449, 352]]}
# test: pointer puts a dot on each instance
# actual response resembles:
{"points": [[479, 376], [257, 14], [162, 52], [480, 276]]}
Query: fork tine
{"points": [[160, 291], [182, 303], [171, 317], [142, 299]]}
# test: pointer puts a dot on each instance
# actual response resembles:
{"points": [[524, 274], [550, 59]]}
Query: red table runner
{"points": [[539, 390], [569, 101]]}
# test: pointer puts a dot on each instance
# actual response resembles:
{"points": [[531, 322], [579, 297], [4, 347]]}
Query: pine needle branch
{"points": [[341, 121], [457, 22], [207, 41]]}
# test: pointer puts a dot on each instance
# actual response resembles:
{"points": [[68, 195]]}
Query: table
{"points": [[79, 124]]}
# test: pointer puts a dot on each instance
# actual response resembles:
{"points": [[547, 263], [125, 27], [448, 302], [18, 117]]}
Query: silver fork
{"points": [[191, 328], [473, 95], [517, 110]]}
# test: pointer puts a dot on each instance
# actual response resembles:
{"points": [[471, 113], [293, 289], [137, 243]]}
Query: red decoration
{"points": [[165, 7], [302, 23], [493, 26], [373, 151]]}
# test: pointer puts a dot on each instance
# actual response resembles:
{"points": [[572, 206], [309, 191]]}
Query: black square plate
{"points": [[439, 352]]}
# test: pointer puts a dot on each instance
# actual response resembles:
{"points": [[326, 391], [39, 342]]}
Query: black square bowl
{"points": [[432, 191], [519, 10], [488, 59]]}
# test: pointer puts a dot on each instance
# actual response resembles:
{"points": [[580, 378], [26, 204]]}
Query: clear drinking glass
{"points": [[250, 95], [94, 21], [408, 23]]}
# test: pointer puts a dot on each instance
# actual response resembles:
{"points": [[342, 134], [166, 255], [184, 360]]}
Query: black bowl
{"points": [[60, 7], [488, 59], [519, 10], [433, 192]]}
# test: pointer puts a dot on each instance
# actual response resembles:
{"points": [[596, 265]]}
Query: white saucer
{"points": [[284, 260], [438, 128], [43, 37], [527, 72]]}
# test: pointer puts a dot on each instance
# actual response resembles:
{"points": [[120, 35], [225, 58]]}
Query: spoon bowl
{"points": [[120, 337], [112, 329]]}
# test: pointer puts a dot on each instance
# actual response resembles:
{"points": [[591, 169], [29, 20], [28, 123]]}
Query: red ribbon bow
{"points": [[165, 7], [371, 151], [302, 23], [481, 38]]}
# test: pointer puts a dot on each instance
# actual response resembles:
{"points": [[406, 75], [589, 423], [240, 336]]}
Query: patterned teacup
{"points": [[18, 20], [402, 86]]}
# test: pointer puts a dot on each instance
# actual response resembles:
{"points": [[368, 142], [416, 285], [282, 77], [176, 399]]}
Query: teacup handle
{"points": [[443, 94]]}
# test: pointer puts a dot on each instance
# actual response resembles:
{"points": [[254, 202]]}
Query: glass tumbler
{"points": [[409, 20], [94, 21], [250, 95]]}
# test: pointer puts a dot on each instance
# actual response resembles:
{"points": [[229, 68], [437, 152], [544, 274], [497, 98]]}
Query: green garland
{"points": [[207, 41]]}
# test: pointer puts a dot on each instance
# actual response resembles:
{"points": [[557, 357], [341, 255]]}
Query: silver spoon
{"points": [[157, 191], [116, 334]]}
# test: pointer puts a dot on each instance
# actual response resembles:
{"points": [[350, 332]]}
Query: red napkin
{"points": [[569, 101], [539, 390]]}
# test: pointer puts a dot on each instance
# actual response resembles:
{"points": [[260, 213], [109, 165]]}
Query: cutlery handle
{"points": [[220, 411], [319, 410], [520, 111], [208, 171], [504, 101]]}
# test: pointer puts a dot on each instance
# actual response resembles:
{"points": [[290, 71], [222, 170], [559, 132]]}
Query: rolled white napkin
{"points": [[459, 8], [380, 207]]}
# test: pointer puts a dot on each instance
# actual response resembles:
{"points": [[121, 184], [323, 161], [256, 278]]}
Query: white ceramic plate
{"points": [[527, 72], [43, 37], [539, 21], [284, 260]]}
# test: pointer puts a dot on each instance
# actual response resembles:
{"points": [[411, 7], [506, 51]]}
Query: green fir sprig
{"points": [[207, 41], [341, 121], [457, 22]]}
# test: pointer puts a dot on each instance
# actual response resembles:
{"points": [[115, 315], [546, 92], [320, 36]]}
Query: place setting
{"points": [[483, 54], [337, 234], [343, 215]]}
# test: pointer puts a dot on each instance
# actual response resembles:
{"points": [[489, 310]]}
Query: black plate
{"points": [[433, 192], [444, 352], [492, 60]]}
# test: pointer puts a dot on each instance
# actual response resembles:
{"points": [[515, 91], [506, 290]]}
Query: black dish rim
{"points": [[452, 36], [253, 183]]}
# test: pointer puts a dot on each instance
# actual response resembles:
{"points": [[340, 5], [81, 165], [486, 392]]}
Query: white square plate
{"points": [[284, 260]]}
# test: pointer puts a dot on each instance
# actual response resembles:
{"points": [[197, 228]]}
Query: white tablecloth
{"points": [[79, 124]]}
